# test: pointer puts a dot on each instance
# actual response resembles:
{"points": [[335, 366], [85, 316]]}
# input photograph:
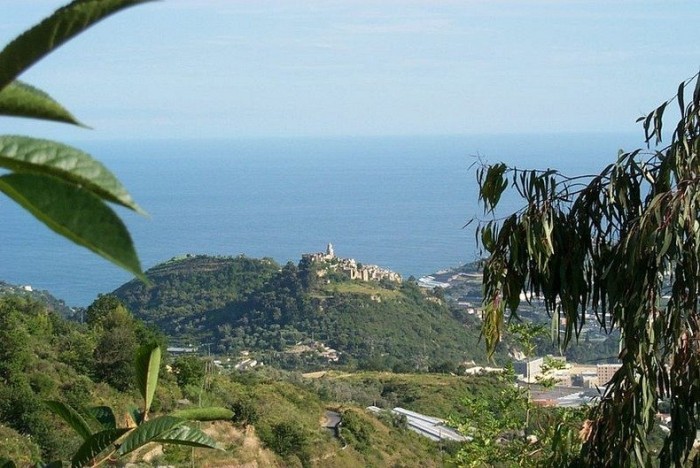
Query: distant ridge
{"points": [[41, 296]]}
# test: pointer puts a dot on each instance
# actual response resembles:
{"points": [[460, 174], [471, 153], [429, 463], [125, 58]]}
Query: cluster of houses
{"points": [[569, 375], [315, 347], [349, 267]]}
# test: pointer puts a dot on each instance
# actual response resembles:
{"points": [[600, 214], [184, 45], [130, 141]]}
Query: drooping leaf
{"points": [[493, 185], [25, 154], [72, 417], [76, 214], [19, 99], [680, 97], [104, 415], [204, 414], [148, 431], [147, 367], [63, 24], [95, 445], [185, 435]]}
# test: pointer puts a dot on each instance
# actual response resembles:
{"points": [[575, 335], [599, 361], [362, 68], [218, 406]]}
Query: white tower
{"points": [[329, 251]]}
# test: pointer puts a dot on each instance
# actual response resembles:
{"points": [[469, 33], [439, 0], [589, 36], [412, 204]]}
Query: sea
{"points": [[398, 202]]}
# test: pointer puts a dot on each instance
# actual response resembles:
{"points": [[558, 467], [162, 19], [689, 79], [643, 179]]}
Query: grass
{"points": [[361, 287]]}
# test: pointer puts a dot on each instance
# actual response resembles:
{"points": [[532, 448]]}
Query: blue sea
{"points": [[398, 202]]}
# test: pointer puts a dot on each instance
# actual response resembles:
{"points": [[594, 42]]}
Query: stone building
{"points": [[349, 267]]}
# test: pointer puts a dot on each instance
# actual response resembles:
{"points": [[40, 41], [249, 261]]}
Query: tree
{"points": [[625, 244], [100, 308], [189, 370], [63, 187], [113, 355], [14, 344]]}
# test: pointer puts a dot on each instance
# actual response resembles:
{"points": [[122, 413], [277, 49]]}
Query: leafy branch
{"points": [[63, 187], [625, 245]]}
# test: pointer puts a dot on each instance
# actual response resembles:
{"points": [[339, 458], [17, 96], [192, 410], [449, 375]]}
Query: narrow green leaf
{"points": [[76, 214], [72, 417], [555, 326], [487, 239], [25, 154], [19, 99], [659, 121], [204, 414], [184, 435], [147, 367], [104, 415], [95, 445], [149, 431], [63, 24], [494, 183]]}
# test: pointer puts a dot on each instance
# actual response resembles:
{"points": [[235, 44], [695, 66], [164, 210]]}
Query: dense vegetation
{"points": [[277, 415], [45, 297], [44, 357], [249, 304]]}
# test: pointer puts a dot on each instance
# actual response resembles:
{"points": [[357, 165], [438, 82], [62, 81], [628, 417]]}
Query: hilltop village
{"points": [[328, 261]]}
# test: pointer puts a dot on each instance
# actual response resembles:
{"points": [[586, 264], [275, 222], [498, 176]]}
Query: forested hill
{"points": [[240, 303], [43, 297]]}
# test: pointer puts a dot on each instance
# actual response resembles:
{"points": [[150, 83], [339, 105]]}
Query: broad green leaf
{"points": [[53, 464], [147, 367], [25, 154], [148, 431], [7, 463], [72, 417], [76, 214], [104, 415], [204, 414], [63, 24], [22, 100], [95, 445], [184, 435]]}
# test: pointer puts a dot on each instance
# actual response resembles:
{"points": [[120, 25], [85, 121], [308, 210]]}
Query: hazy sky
{"points": [[230, 68]]}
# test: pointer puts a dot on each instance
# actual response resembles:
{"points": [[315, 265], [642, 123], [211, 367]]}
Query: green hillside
{"points": [[286, 313], [43, 297], [278, 416]]}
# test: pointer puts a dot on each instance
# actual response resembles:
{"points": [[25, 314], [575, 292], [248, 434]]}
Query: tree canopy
{"points": [[624, 245]]}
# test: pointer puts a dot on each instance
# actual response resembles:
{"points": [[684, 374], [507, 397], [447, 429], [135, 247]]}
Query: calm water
{"points": [[396, 202]]}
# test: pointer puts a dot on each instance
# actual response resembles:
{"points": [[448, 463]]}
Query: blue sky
{"points": [[230, 68]]}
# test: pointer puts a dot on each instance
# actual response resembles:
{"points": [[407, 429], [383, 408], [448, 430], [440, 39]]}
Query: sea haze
{"points": [[399, 202]]}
